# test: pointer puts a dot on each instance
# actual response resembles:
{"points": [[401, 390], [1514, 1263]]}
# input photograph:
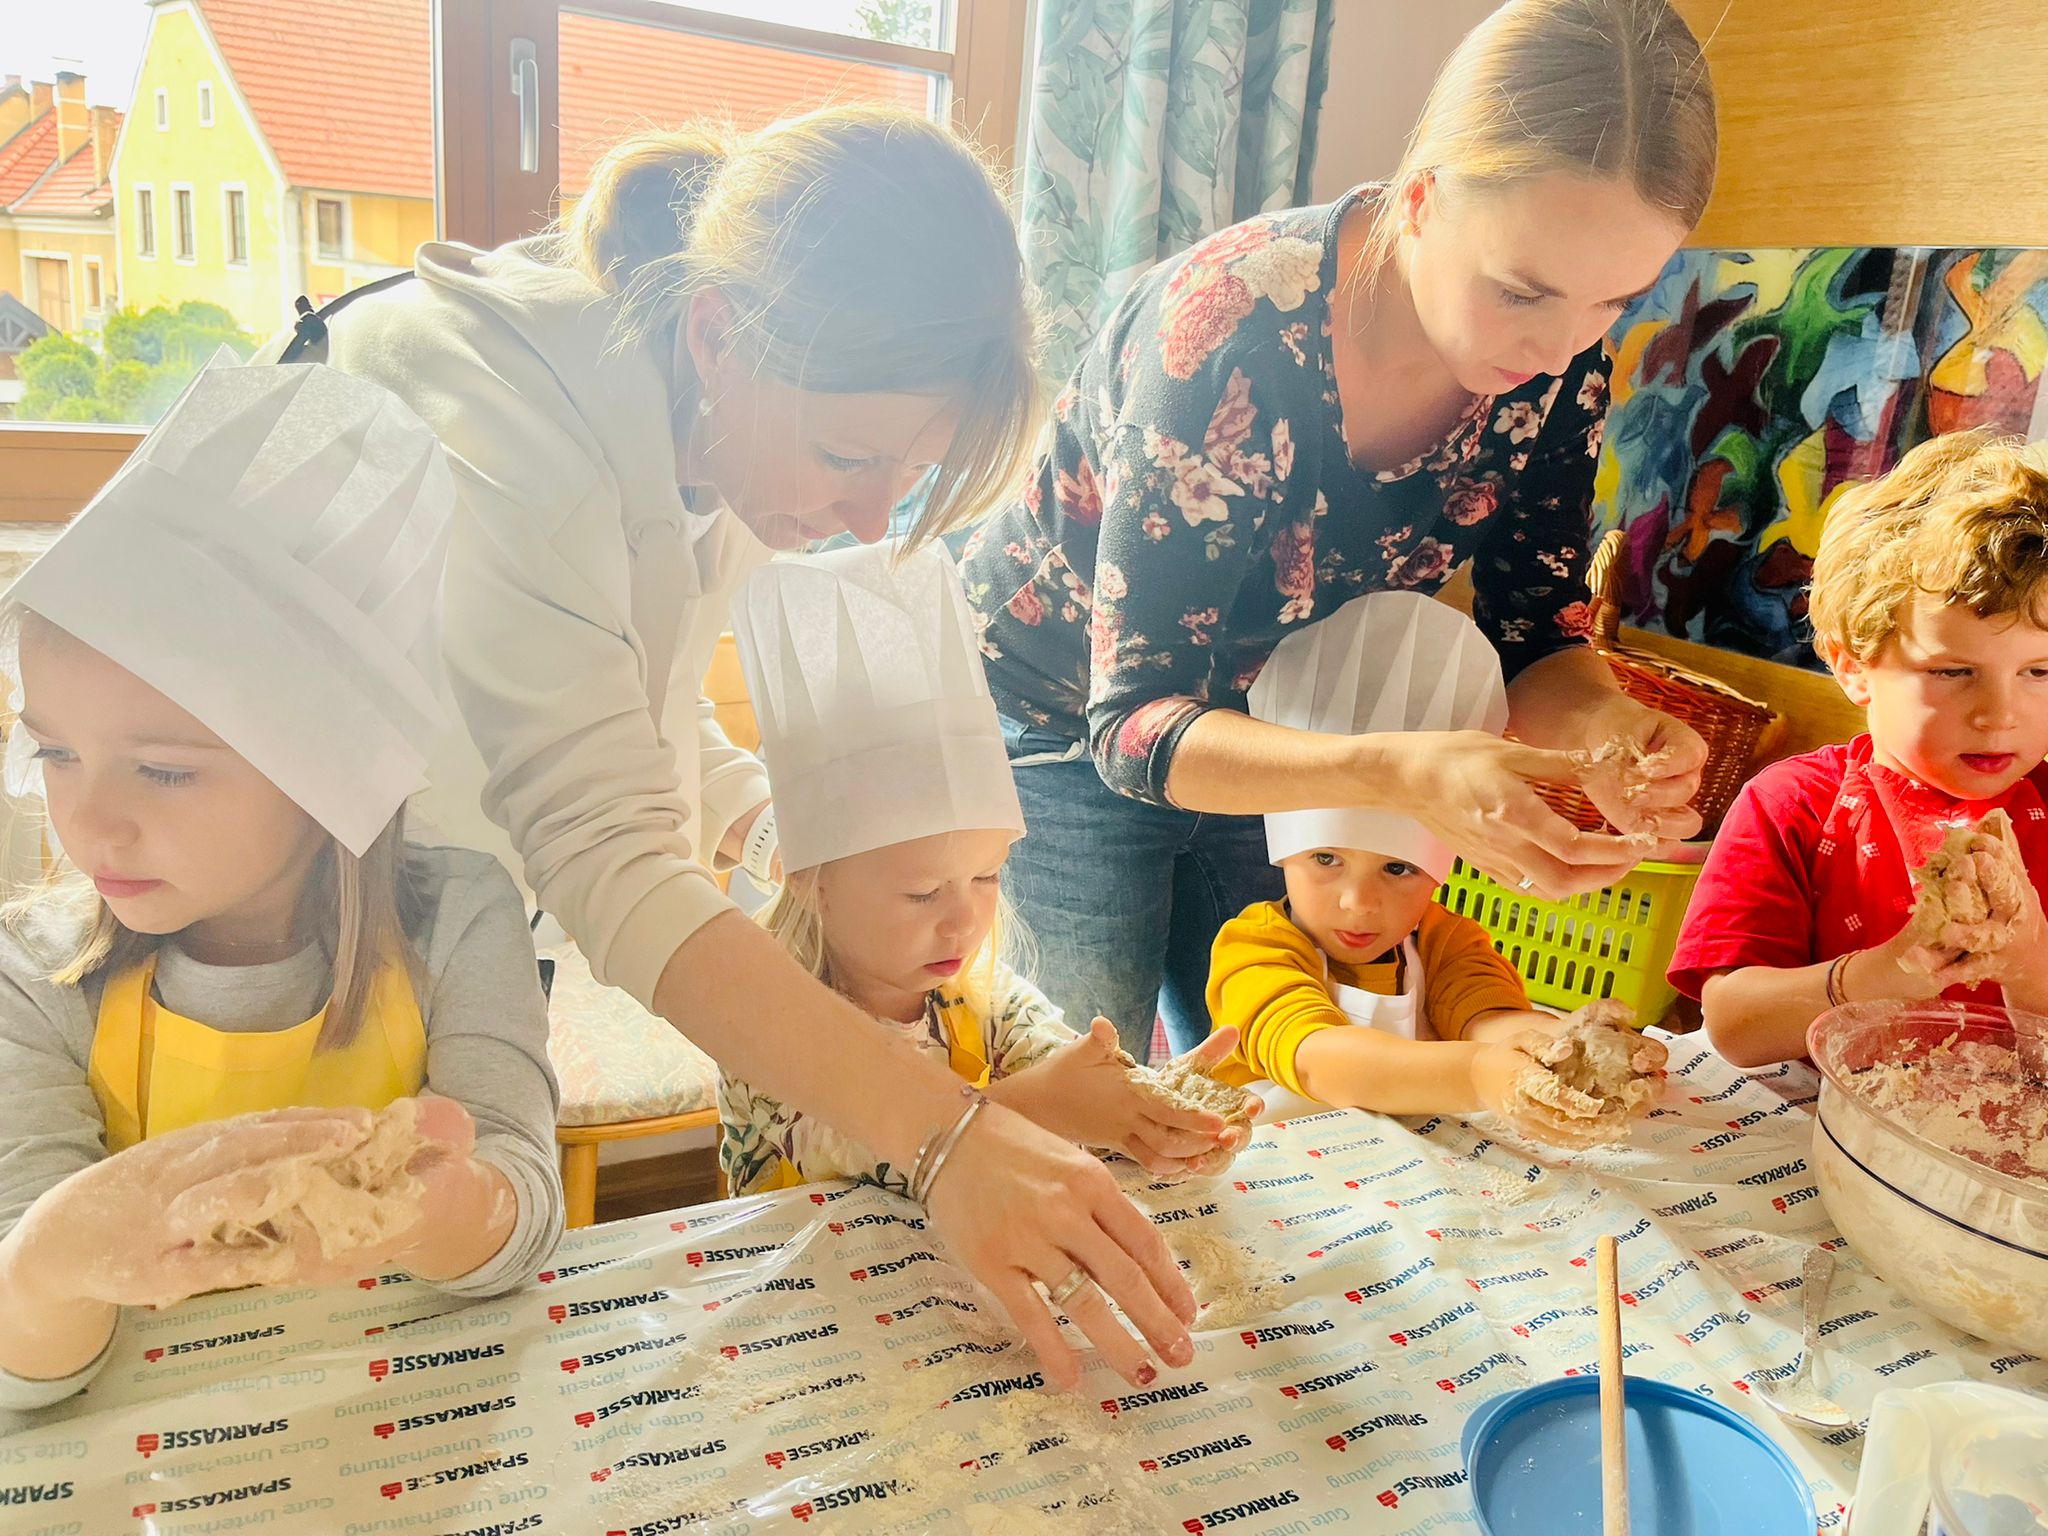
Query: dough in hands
{"points": [[1180, 1084], [1596, 1075], [1971, 893], [347, 1201]]}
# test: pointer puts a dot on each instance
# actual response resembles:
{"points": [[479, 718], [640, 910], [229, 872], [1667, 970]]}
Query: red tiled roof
{"points": [[617, 76], [72, 189], [344, 95], [26, 156], [343, 90]]}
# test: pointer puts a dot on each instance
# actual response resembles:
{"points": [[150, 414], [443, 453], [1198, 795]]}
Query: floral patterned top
{"points": [[1198, 502], [766, 1145]]}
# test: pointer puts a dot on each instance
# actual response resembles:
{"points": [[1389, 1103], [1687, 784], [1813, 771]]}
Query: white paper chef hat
{"points": [[1388, 661], [876, 721], [269, 559]]}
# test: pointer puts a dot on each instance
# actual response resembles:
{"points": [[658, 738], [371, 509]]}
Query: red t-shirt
{"points": [[1814, 861]]}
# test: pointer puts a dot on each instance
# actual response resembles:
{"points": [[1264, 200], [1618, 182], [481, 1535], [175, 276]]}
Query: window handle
{"points": [[526, 89]]}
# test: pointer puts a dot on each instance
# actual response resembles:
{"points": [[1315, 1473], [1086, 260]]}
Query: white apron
{"points": [[1401, 1016]]}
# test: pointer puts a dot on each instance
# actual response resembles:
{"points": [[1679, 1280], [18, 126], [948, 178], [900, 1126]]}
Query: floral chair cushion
{"points": [[614, 1059]]}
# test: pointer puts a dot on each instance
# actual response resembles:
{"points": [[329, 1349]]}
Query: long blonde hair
{"points": [[356, 909], [795, 917], [1600, 88], [864, 250]]}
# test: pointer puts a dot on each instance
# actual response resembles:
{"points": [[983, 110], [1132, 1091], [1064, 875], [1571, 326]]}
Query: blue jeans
{"points": [[1124, 899]]}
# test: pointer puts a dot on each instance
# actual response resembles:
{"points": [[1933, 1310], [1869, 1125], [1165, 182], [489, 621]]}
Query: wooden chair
{"points": [[579, 1144]]}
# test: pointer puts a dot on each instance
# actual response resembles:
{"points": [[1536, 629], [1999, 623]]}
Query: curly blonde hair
{"points": [[1962, 518]]}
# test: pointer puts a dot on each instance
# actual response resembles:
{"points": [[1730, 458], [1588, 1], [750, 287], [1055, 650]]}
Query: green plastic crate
{"points": [[1615, 942]]}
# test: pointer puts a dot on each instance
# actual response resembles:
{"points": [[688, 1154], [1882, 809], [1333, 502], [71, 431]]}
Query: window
{"points": [[186, 247], [49, 287], [234, 220], [95, 299], [452, 157], [330, 221]]}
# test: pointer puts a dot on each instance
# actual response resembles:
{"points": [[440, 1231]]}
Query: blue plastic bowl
{"points": [[1695, 1468]]}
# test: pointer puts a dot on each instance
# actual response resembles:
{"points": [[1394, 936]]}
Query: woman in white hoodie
{"points": [[733, 346]]}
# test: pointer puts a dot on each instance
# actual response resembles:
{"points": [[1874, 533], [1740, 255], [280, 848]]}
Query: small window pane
{"points": [[145, 223], [181, 212], [238, 225], [328, 214]]}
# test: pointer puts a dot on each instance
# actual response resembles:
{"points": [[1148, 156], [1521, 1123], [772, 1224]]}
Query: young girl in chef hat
{"points": [[1359, 990], [896, 812], [245, 959]]}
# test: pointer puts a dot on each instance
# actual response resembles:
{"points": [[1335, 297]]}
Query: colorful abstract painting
{"points": [[1751, 386]]}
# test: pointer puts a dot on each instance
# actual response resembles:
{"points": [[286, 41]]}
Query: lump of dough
{"points": [[347, 1200], [1181, 1085], [1971, 893], [1593, 1073]]}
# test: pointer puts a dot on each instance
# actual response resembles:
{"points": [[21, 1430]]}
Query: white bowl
{"points": [[1967, 1242]]}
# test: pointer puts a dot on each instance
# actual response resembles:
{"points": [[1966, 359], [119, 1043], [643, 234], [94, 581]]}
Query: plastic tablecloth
{"points": [[812, 1361]]}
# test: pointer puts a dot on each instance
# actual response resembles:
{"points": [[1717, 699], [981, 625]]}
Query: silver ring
{"points": [[1526, 883], [1068, 1288]]}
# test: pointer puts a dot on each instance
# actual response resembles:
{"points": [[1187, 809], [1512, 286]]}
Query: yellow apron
{"points": [[153, 1071], [965, 1054]]}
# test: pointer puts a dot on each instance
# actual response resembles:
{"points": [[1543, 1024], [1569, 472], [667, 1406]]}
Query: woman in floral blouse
{"points": [[1315, 404]]}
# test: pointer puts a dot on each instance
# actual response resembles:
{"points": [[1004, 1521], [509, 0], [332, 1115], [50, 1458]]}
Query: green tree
{"points": [[146, 360], [898, 21]]}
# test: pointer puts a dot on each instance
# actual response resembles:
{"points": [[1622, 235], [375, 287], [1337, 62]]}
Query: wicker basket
{"points": [[1731, 723]]}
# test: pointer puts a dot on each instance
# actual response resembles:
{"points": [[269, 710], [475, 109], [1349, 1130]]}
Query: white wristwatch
{"points": [[757, 855]]}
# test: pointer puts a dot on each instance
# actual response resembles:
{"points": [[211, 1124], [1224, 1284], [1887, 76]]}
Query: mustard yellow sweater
{"points": [[1268, 978]]}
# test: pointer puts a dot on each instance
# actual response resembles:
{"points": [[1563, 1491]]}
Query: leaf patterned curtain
{"points": [[1154, 123]]}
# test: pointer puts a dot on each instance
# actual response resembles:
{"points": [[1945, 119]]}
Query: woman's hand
{"points": [[1017, 1205], [1083, 1091], [1654, 800], [1475, 792]]}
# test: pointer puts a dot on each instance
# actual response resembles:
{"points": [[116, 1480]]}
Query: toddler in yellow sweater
{"points": [[1358, 990]]}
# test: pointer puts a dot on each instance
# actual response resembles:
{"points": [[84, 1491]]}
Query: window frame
{"points": [[92, 273], [30, 256], [205, 93], [229, 243], [145, 226], [49, 471], [341, 255], [188, 257]]}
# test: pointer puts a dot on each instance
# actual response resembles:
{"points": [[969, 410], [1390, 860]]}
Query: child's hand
{"points": [[1083, 1091], [130, 1230]]}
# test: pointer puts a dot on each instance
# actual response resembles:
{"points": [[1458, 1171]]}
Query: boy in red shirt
{"points": [[1930, 606]]}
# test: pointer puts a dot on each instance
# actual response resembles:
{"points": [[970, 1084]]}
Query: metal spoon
{"points": [[1799, 1400]]}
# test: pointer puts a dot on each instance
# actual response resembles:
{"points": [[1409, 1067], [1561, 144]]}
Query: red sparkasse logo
{"points": [[391, 1490], [379, 1369], [586, 1418], [557, 1313], [140, 1510], [152, 1355], [147, 1444], [384, 1431]]}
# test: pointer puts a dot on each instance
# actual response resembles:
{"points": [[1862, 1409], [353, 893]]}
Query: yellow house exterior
{"points": [[58, 249], [206, 210]]}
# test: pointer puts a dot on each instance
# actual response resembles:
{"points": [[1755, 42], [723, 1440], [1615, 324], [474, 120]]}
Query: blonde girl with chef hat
{"points": [[1358, 989], [241, 960], [896, 808]]}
